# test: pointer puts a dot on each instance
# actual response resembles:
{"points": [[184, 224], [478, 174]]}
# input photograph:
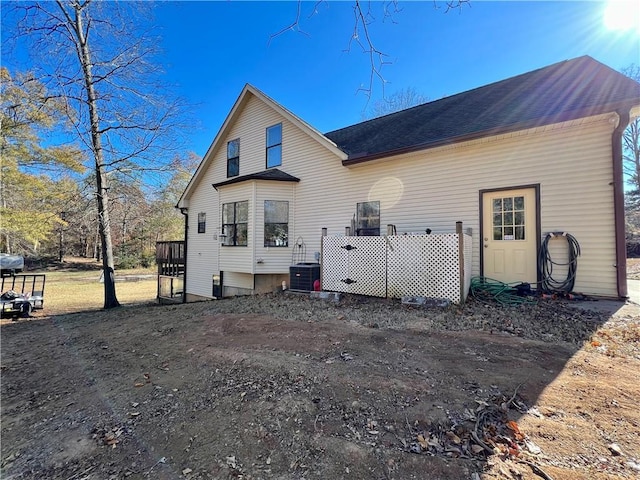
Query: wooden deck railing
{"points": [[170, 258]]}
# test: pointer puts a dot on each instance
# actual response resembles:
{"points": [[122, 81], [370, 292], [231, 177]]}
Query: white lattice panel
{"points": [[424, 265], [468, 257], [396, 266], [354, 265]]}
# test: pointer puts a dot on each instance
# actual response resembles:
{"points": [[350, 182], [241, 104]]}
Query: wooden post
{"points": [[460, 259], [324, 234]]}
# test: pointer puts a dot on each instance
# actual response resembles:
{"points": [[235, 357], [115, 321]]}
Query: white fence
{"points": [[433, 266]]}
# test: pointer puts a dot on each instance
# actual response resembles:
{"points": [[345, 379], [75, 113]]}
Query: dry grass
{"points": [[68, 292], [78, 287]]}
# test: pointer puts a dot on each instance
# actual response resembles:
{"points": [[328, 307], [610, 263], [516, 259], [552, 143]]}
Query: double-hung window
{"points": [[202, 222], [233, 158], [368, 221], [276, 223], [234, 223], [274, 145]]}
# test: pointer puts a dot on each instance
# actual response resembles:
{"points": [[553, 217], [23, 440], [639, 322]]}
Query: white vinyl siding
{"points": [[251, 126], [429, 189], [274, 259], [239, 258], [202, 249], [436, 188]]}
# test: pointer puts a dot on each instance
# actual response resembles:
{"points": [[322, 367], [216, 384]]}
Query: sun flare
{"points": [[622, 15]]}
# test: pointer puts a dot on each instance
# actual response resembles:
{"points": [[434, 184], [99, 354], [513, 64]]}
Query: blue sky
{"points": [[212, 48]]}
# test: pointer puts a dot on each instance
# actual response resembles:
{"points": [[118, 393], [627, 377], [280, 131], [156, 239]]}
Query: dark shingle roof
{"points": [[272, 174], [564, 91]]}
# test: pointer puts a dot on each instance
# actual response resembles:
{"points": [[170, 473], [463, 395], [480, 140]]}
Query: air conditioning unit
{"points": [[302, 276]]}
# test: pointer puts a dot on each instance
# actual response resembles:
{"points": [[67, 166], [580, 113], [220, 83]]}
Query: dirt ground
{"points": [[286, 387], [633, 268]]}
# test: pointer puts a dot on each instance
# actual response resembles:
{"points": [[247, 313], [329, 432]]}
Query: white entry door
{"points": [[509, 236]]}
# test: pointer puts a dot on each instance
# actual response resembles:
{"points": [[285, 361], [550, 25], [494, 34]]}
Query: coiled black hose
{"points": [[548, 283]]}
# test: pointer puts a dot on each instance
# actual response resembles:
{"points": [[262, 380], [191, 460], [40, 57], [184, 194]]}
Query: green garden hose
{"points": [[504, 293]]}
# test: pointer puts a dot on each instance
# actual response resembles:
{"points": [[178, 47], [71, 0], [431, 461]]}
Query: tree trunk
{"points": [[102, 184]]}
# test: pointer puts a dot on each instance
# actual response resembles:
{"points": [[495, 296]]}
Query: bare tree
{"points": [[100, 61], [365, 13], [631, 166], [399, 100], [631, 140]]}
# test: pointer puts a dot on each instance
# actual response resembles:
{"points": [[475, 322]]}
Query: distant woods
{"points": [[631, 165], [99, 64]]}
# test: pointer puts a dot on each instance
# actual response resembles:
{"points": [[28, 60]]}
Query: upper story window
{"points": [[234, 223], [233, 158], [276, 223], [368, 219], [202, 222], [274, 145]]}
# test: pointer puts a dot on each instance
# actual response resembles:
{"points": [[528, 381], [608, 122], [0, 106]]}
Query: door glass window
{"points": [[508, 218]]}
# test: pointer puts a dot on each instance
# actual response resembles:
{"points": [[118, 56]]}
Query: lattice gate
{"points": [[354, 265], [397, 265]]}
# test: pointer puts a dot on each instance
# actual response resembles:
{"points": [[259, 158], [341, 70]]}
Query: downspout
{"points": [[185, 211], [618, 202]]}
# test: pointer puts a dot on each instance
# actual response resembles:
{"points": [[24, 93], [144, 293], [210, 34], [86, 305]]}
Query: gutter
{"points": [[618, 202], [185, 211]]}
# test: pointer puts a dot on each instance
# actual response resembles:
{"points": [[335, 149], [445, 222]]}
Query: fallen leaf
{"points": [[513, 426], [633, 466], [454, 438], [476, 449], [535, 412], [615, 449], [532, 447]]}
